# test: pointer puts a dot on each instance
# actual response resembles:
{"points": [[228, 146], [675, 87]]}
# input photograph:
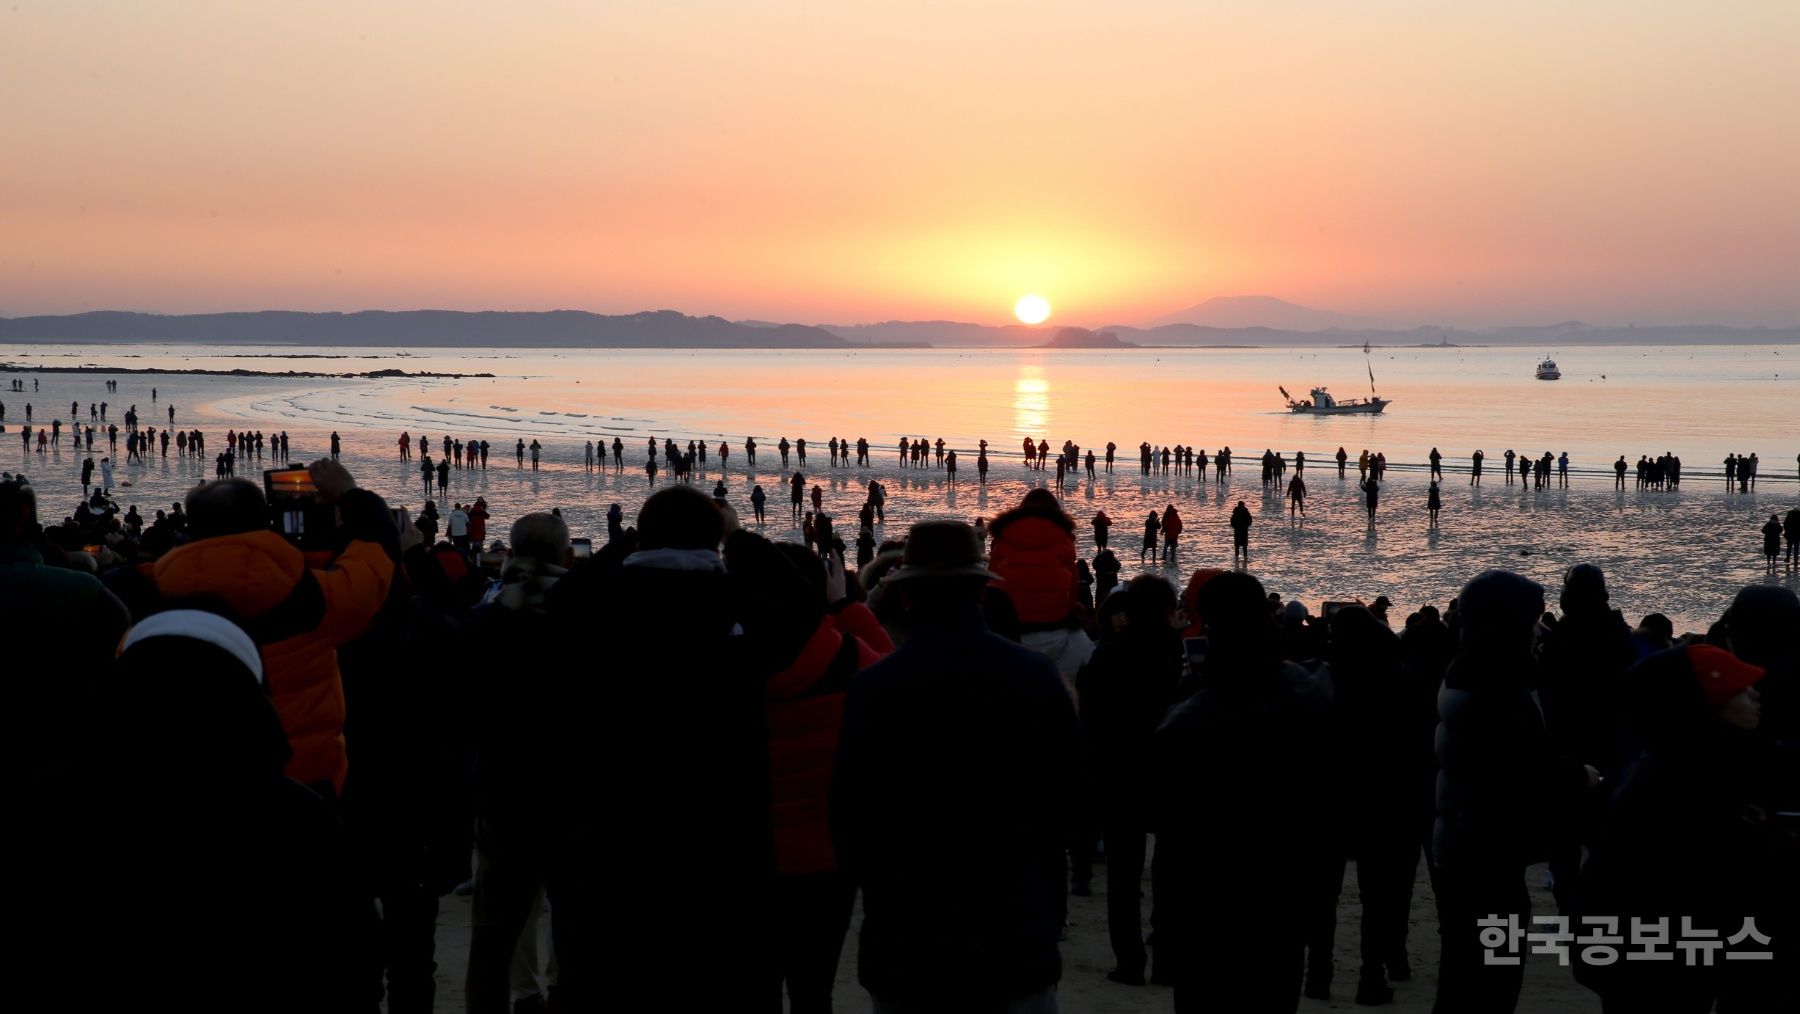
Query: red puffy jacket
{"points": [[805, 707], [1034, 554], [257, 573]]}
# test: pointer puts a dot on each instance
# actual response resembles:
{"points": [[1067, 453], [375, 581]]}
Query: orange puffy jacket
{"points": [[804, 710], [257, 572], [1034, 554]]}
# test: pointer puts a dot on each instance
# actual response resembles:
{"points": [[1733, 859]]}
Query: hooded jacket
{"points": [[805, 709], [1497, 771], [1245, 752], [255, 862], [659, 747], [36, 597], [1034, 554], [1125, 690], [299, 614], [955, 772], [1686, 835]]}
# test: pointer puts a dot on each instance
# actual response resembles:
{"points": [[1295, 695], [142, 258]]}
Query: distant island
{"points": [[579, 329], [1082, 338]]}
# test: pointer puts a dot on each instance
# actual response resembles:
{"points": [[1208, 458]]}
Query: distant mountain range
{"points": [[1238, 312], [955, 335], [443, 328], [669, 329]]}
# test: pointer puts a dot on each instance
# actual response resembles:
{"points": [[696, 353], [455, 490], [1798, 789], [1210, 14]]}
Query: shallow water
{"points": [[1680, 553]]}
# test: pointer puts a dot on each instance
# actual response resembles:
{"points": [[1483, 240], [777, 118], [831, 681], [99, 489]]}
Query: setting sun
{"points": [[1032, 309]]}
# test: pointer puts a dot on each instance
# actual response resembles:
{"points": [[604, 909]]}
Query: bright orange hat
{"points": [[1722, 675]]}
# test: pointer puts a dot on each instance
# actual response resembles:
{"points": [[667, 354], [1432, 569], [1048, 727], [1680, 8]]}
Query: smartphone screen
{"points": [[584, 548], [1195, 650], [289, 484]]}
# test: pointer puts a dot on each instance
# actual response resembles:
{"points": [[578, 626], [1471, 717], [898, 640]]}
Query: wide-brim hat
{"points": [[941, 549]]}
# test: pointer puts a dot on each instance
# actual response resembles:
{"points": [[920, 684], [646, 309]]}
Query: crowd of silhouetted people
{"points": [[702, 747]]}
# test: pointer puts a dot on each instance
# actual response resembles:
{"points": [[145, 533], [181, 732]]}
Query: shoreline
{"points": [[303, 374]]}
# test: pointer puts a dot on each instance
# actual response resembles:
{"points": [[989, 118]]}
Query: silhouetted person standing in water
{"points": [[1790, 530], [1111, 449], [1152, 527], [1343, 456], [1437, 464], [1371, 497], [1510, 456], [1102, 526], [1772, 540], [1240, 532], [950, 466], [1296, 497], [335, 444], [1433, 501], [535, 449], [981, 467], [797, 491], [1475, 467]]}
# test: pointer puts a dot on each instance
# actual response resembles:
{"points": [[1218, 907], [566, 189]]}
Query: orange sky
{"points": [[1462, 163]]}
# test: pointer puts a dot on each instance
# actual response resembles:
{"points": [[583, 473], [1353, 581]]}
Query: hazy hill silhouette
{"points": [[1272, 313], [670, 329], [426, 328], [1082, 338]]}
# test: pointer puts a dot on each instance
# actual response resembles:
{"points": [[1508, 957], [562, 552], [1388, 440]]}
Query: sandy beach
{"points": [[1549, 989]]}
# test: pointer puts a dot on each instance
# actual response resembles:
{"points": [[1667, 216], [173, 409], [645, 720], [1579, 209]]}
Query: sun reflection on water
{"points": [[1031, 403]]}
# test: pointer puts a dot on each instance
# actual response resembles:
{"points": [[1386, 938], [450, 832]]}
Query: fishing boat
{"points": [[1547, 370], [1323, 402]]}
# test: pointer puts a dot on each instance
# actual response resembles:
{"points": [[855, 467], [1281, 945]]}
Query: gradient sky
{"points": [[1460, 163]]}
